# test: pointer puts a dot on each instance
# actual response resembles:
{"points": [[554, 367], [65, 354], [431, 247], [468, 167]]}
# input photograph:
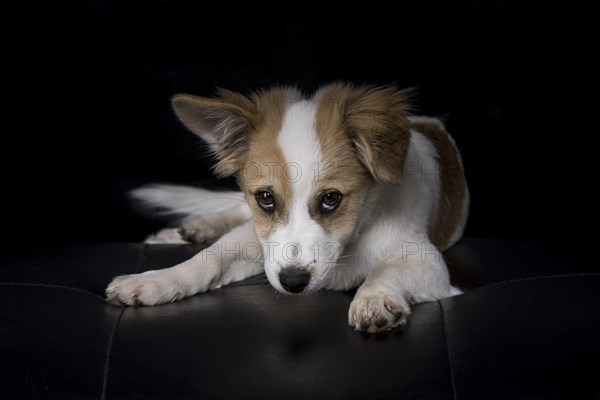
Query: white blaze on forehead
{"points": [[299, 142], [300, 146]]}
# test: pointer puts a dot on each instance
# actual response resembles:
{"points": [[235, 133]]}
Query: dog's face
{"points": [[307, 167]]}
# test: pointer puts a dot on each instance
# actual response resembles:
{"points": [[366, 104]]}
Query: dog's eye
{"points": [[265, 200], [330, 201]]}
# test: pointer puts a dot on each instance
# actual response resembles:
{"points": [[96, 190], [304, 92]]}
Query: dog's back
{"points": [[450, 216]]}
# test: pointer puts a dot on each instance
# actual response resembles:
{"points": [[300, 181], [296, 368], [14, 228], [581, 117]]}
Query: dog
{"points": [[341, 189]]}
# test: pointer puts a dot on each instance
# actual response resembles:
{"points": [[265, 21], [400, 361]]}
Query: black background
{"points": [[87, 87]]}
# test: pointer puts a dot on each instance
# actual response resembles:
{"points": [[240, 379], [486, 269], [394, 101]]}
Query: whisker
{"points": [[382, 204], [348, 255], [368, 208], [344, 265]]}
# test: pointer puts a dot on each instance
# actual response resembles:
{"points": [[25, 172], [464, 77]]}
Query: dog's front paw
{"points": [[378, 312], [148, 289], [202, 230]]}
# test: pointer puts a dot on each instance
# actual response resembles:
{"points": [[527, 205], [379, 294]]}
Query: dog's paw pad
{"points": [[377, 313], [141, 290]]}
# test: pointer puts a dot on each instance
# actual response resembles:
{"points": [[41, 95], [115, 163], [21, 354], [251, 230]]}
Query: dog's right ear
{"points": [[223, 122]]}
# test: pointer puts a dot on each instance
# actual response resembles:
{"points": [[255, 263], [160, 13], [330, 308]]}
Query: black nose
{"points": [[294, 280]]}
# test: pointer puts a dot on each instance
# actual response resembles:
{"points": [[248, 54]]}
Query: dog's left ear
{"points": [[377, 120], [223, 122]]}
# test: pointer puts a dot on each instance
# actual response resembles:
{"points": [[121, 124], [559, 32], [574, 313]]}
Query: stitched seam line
{"points": [[537, 278], [50, 286], [114, 332], [448, 350], [108, 352]]}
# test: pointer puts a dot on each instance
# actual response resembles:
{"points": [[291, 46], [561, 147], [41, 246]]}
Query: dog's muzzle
{"points": [[294, 279]]}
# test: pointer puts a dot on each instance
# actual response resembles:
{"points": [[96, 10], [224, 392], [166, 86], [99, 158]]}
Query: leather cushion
{"points": [[527, 327]]}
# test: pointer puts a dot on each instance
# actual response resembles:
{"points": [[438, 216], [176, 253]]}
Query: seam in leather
{"points": [[108, 353], [114, 332], [51, 286], [536, 278], [448, 350]]}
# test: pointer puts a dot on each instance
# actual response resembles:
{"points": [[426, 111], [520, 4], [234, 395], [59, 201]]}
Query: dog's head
{"points": [[306, 166]]}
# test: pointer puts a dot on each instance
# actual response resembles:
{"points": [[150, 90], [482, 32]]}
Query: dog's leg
{"points": [[203, 229], [206, 229], [236, 256], [418, 275]]}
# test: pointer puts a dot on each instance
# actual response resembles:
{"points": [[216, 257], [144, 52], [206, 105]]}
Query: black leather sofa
{"points": [[527, 327]]}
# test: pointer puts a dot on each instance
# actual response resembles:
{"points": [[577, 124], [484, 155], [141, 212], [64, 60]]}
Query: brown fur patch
{"points": [[223, 122], [375, 120], [454, 192]]}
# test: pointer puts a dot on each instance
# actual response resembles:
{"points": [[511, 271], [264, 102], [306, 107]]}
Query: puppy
{"points": [[339, 190]]}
